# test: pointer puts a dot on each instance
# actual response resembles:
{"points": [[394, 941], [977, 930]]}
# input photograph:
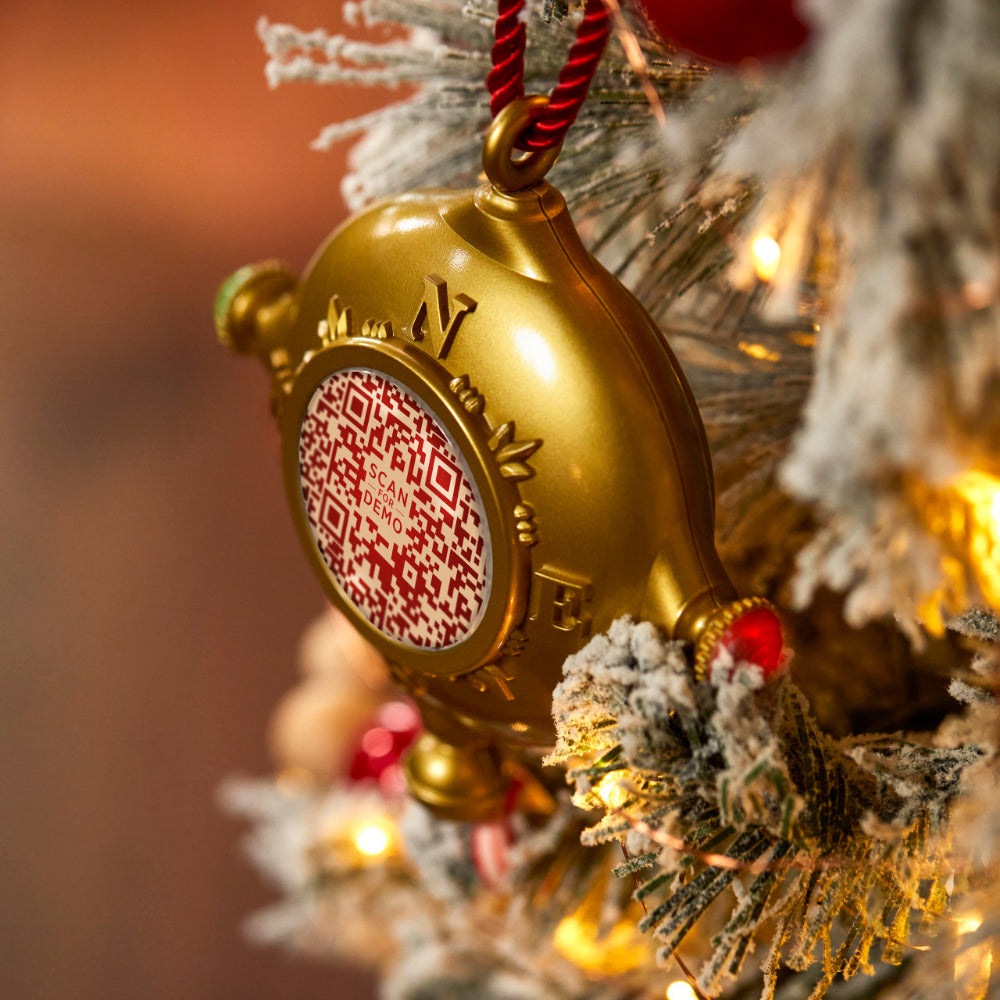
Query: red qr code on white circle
{"points": [[393, 510]]}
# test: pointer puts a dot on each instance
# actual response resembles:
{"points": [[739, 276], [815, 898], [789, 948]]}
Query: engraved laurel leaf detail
{"points": [[516, 471], [512, 455], [517, 451], [468, 395], [502, 435]]}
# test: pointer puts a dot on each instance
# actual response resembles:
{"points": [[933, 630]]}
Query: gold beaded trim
{"points": [[718, 624]]}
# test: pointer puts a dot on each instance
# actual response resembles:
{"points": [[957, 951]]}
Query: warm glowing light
{"points": [[615, 953], [974, 963], [965, 517], [371, 840], [680, 989], [759, 351], [766, 257], [982, 491], [611, 793]]}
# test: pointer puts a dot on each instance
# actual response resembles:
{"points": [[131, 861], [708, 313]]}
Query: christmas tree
{"points": [[807, 204]]}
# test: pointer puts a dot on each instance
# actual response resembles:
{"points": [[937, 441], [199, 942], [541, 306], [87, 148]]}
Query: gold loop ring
{"points": [[501, 168]]}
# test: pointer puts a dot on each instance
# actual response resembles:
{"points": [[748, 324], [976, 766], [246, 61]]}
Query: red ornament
{"points": [[490, 846], [729, 31], [755, 637], [492, 839], [383, 743]]}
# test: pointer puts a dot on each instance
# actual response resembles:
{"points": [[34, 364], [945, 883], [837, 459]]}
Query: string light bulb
{"points": [[680, 989], [371, 840], [611, 793], [766, 257], [759, 351]]}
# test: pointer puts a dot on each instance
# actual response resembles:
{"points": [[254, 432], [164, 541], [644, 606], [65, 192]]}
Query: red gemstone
{"points": [[755, 637]]}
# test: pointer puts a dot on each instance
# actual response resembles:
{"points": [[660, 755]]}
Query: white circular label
{"points": [[393, 510]]}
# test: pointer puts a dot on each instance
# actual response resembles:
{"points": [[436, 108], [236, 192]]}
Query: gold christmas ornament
{"points": [[457, 782], [490, 453]]}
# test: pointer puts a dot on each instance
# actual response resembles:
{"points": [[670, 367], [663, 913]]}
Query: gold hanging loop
{"points": [[503, 170]]}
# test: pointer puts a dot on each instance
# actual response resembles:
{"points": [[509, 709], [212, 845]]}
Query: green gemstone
{"points": [[228, 291]]}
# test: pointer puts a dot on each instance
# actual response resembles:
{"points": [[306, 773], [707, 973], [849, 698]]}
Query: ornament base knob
{"points": [[456, 782]]}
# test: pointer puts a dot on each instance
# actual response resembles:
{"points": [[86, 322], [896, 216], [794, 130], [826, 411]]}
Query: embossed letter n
{"points": [[437, 318]]}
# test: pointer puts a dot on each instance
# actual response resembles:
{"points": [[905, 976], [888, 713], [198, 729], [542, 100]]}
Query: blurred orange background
{"points": [[153, 588]]}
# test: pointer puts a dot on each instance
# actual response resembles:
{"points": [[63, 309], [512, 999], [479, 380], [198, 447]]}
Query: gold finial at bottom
{"points": [[456, 782]]}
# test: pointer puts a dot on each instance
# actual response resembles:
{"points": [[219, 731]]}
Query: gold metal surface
{"points": [[457, 782], [502, 169], [249, 302], [568, 406]]}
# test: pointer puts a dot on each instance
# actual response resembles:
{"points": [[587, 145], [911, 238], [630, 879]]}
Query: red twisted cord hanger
{"points": [[505, 81]]}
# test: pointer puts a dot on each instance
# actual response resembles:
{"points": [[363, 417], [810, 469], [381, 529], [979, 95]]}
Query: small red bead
{"points": [[755, 637]]}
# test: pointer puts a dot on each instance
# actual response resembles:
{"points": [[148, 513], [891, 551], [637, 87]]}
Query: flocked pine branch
{"points": [[730, 784], [735, 794], [420, 915]]}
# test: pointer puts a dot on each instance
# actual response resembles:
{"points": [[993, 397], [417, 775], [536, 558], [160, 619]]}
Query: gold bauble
{"points": [[489, 449], [457, 782]]}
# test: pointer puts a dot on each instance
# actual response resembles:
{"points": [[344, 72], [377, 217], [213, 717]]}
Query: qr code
{"points": [[393, 510]]}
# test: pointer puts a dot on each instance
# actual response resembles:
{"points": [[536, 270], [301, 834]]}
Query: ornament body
{"points": [[490, 454]]}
